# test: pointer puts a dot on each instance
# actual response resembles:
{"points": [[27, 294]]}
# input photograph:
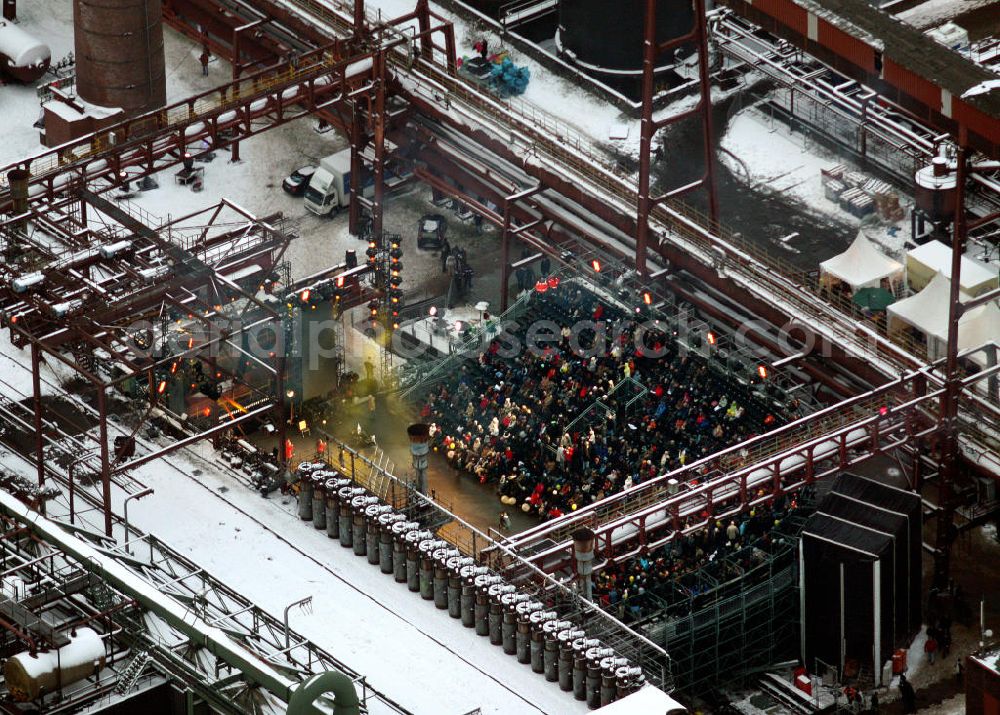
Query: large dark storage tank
{"points": [[119, 54], [601, 35]]}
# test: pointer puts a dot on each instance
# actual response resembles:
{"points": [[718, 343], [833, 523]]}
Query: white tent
{"points": [[648, 700], [927, 311], [979, 326], [862, 265], [935, 257]]}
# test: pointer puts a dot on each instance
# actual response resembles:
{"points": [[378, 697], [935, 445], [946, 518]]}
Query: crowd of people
{"points": [[585, 417], [674, 577]]}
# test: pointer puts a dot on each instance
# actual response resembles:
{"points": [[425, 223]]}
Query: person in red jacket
{"points": [[930, 648]]}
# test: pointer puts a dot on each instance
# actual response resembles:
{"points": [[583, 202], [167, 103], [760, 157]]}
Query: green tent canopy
{"points": [[873, 298]]}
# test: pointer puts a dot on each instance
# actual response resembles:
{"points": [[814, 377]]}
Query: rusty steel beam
{"points": [[907, 396], [652, 51], [950, 452], [231, 112], [705, 493]]}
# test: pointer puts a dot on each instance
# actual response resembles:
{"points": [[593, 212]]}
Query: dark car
{"points": [[297, 182], [431, 230]]}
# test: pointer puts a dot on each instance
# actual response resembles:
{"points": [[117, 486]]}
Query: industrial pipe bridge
{"points": [[550, 183]]}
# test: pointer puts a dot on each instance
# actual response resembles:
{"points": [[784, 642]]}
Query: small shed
{"points": [[862, 265], [923, 262]]}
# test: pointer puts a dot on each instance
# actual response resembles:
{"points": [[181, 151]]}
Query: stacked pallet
{"points": [[859, 194]]}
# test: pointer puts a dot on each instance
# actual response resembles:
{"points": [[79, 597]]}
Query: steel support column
{"points": [[505, 258], [378, 134], [237, 62], [279, 410], [424, 25], [652, 51], [359, 19], [708, 128], [102, 429], [952, 387], [36, 397], [357, 144]]}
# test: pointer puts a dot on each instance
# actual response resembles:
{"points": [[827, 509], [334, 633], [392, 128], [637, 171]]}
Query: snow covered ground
{"points": [[766, 155], [408, 649], [935, 12]]}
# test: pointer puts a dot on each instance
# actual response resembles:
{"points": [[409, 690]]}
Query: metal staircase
{"points": [[132, 672]]}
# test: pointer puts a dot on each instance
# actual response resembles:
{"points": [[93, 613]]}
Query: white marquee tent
{"points": [[927, 311], [979, 326], [862, 265]]}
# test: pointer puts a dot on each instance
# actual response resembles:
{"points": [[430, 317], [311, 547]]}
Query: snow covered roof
{"points": [[990, 659], [937, 257], [63, 111], [648, 700], [862, 264], [927, 310], [97, 111], [908, 47]]}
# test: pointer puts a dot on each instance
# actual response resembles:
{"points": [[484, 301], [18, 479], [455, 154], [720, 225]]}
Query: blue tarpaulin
{"points": [[509, 79]]}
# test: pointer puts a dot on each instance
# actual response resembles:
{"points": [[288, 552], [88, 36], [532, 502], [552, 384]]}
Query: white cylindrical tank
{"points": [[29, 676], [22, 57]]}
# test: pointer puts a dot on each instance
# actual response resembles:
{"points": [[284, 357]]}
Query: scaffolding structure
{"points": [[733, 629]]}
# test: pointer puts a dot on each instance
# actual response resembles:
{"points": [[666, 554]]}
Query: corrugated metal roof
{"points": [[908, 47]]}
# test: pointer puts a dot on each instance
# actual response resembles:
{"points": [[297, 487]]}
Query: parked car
{"points": [[431, 230], [296, 182]]}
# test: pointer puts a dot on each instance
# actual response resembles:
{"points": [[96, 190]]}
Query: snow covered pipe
{"points": [[30, 676], [176, 614], [345, 696], [22, 56]]}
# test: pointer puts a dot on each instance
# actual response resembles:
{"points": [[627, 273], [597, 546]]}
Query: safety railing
{"points": [[180, 115], [471, 347]]}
